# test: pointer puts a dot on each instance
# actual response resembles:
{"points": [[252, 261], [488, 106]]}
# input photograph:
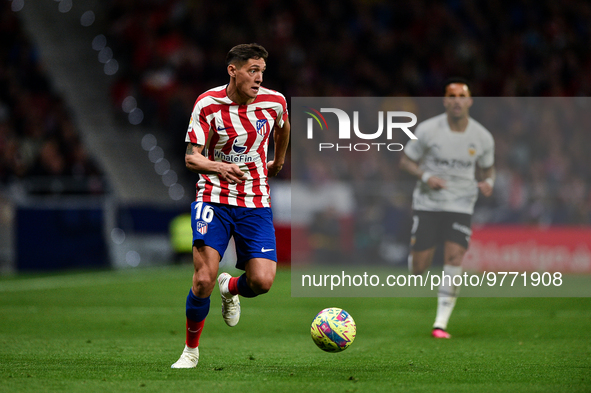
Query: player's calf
{"points": [[261, 284], [259, 277], [419, 261]]}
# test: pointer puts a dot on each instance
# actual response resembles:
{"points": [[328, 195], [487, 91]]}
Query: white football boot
{"points": [[189, 358], [230, 303]]}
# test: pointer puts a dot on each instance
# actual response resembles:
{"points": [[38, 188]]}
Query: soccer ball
{"points": [[333, 330]]}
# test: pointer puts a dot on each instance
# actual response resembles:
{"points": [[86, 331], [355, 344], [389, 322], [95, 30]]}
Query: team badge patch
{"points": [[202, 227], [191, 123], [261, 127]]}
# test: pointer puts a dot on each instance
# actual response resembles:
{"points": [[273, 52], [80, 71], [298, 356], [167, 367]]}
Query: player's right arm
{"points": [[414, 169], [198, 163]]}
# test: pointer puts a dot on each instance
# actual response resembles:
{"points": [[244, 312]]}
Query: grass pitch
{"points": [[121, 331]]}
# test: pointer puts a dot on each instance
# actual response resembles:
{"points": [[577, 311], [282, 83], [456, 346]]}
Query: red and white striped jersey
{"points": [[236, 134]]}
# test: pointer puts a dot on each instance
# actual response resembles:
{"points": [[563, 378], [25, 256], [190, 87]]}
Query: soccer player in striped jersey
{"points": [[227, 138], [452, 151]]}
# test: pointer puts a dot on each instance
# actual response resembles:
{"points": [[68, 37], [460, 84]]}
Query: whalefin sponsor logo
{"points": [[233, 158], [238, 148]]}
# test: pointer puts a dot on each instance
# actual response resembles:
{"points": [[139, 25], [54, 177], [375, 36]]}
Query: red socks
{"points": [[194, 330], [233, 285]]}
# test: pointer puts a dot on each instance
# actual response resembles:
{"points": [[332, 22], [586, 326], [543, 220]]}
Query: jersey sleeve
{"points": [[415, 148], [198, 126], [282, 115], [487, 159]]}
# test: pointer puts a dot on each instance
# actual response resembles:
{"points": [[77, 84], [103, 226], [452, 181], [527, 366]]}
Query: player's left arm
{"points": [[196, 162], [487, 183], [486, 173], [281, 139]]}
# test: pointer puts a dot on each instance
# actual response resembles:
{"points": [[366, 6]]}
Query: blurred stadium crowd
{"points": [[171, 51], [40, 148]]}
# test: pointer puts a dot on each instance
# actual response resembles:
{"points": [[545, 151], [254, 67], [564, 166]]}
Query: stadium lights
{"points": [[87, 19], [162, 166], [64, 6]]}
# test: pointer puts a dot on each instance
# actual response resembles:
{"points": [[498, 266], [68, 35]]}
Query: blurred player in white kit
{"points": [[453, 158]]}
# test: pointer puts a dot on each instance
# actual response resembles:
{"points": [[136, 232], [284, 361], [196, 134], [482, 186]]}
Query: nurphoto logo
{"points": [[393, 122]]}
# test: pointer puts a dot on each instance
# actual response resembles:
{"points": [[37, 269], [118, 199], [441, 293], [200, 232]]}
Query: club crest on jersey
{"points": [[472, 149], [262, 127], [202, 227]]}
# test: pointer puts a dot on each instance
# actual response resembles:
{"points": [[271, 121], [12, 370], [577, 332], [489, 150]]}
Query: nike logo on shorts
{"points": [[266, 249]]}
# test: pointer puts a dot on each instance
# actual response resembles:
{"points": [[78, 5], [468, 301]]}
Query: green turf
{"points": [[121, 331]]}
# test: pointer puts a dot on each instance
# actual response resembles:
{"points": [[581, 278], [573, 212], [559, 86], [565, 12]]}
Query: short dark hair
{"points": [[242, 53], [455, 79]]}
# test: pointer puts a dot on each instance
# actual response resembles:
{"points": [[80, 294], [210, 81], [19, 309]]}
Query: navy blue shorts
{"points": [[432, 228], [252, 228]]}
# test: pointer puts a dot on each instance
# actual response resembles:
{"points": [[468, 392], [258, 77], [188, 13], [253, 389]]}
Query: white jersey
{"points": [[451, 156]]}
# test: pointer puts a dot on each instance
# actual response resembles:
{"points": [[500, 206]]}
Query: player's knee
{"points": [[454, 259], [203, 283]]}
